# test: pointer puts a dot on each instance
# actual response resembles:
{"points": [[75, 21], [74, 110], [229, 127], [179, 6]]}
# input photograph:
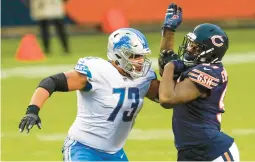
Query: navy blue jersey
{"points": [[197, 124]]}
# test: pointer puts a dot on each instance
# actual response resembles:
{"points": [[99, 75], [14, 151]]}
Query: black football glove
{"points": [[167, 56], [30, 119]]}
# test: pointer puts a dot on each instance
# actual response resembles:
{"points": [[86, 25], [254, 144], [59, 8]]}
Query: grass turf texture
{"points": [[59, 112]]}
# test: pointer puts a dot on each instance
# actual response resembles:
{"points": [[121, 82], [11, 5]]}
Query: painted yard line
{"points": [[243, 131], [136, 134], [40, 71], [34, 71]]}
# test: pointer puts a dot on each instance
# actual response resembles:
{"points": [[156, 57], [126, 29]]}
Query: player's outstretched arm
{"points": [[62, 82], [173, 19], [167, 40]]}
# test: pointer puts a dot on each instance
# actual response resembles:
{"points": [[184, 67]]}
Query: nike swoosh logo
{"points": [[206, 68]]}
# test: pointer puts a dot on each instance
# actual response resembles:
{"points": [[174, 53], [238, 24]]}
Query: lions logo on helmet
{"points": [[125, 44]]}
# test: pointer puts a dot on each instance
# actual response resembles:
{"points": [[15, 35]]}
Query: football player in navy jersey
{"points": [[194, 84]]}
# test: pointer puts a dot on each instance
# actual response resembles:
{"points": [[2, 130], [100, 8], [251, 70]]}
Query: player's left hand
{"points": [[173, 17], [30, 119]]}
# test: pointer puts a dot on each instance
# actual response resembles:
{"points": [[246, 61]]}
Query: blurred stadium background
{"points": [[87, 23]]}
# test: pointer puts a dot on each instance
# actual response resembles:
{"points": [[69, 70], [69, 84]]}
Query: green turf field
{"points": [[152, 138]]}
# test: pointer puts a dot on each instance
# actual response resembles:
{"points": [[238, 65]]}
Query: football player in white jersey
{"points": [[109, 94]]}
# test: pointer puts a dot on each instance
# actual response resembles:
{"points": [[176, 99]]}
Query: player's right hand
{"points": [[165, 57], [30, 119], [173, 17]]}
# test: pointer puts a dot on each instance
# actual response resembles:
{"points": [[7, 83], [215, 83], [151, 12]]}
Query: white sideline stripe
{"points": [[40, 71], [136, 134]]}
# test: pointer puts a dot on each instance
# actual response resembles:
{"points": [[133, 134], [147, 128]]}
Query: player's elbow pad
{"points": [[57, 82]]}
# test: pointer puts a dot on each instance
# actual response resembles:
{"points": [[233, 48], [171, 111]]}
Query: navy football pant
{"points": [[231, 155], [197, 154]]}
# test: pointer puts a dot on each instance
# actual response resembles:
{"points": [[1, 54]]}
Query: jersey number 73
{"points": [[132, 92]]}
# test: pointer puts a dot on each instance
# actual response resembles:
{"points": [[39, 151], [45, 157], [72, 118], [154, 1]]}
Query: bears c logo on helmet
{"points": [[217, 40]]}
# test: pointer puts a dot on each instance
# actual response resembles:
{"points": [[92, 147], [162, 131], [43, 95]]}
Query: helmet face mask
{"points": [[190, 50], [129, 48], [206, 44]]}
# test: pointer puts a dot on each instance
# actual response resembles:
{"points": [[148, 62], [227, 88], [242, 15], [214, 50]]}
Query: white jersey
{"points": [[108, 105]]}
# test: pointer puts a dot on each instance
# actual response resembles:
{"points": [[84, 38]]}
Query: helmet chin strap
{"points": [[202, 59], [205, 52], [215, 61]]}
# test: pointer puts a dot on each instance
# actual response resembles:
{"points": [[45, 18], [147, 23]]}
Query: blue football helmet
{"points": [[208, 43]]}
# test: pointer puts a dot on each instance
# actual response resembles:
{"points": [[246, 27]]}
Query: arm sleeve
{"points": [[82, 67], [87, 66]]}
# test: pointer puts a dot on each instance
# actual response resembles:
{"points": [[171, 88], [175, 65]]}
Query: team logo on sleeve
{"points": [[203, 78], [83, 69], [217, 40]]}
